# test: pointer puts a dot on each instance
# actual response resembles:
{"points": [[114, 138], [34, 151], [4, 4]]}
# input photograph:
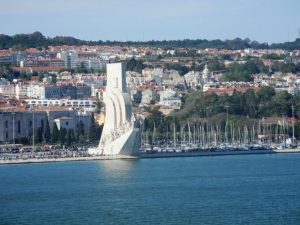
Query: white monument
{"points": [[120, 135]]}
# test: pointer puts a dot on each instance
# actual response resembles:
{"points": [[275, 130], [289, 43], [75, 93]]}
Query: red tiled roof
{"points": [[4, 52], [35, 78], [38, 68], [230, 91]]}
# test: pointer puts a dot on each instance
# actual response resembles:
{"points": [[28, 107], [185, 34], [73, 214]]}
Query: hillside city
{"points": [[53, 95], [149, 112]]}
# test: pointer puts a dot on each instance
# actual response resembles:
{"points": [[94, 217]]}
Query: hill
{"points": [[38, 40]]}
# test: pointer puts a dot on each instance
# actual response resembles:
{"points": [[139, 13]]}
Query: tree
{"points": [[80, 130], [93, 130], [47, 133], [92, 133], [62, 135], [265, 93], [215, 65], [81, 139], [37, 40], [250, 103], [273, 56], [41, 77], [70, 136], [297, 130], [181, 69], [38, 137], [54, 137], [135, 65], [4, 70], [54, 78], [244, 72]]}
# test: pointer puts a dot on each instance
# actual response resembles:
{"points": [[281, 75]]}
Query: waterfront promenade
{"points": [[146, 155], [44, 160]]}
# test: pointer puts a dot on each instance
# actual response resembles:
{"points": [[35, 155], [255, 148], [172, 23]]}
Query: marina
{"points": [[42, 157]]}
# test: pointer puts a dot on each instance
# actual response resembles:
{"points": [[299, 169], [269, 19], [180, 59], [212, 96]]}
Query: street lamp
{"points": [[32, 129]]}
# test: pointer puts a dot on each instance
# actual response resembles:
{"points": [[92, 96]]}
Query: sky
{"points": [[269, 21]]}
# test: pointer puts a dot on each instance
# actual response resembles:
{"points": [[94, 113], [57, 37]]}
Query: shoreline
{"points": [[195, 154], [69, 159], [146, 156]]}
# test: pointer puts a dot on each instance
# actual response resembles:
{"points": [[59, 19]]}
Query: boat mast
{"points": [[153, 135], [174, 136], [13, 127], [293, 122], [189, 130], [32, 129]]}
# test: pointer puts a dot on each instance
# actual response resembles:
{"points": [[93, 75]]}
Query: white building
{"points": [[148, 96], [170, 98], [172, 77], [70, 59], [95, 64], [206, 75], [7, 90], [34, 91], [21, 91], [135, 78], [193, 79], [82, 103]]}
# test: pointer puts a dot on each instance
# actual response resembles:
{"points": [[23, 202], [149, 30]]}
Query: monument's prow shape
{"points": [[120, 135]]}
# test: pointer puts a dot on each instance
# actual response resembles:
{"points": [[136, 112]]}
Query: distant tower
{"points": [[298, 32], [205, 74]]}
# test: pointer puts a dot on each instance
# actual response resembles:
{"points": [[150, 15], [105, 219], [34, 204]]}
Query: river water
{"points": [[246, 189]]}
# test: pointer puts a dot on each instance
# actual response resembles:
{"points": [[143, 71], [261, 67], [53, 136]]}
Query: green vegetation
{"points": [[264, 103], [94, 131], [273, 56], [297, 130], [286, 67], [287, 45], [244, 109], [244, 71], [135, 65], [38, 40], [64, 136], [47, 133], [5, 70], [35, 40], [215, 65], [70, 139], [54, 135], [181, 69]]}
